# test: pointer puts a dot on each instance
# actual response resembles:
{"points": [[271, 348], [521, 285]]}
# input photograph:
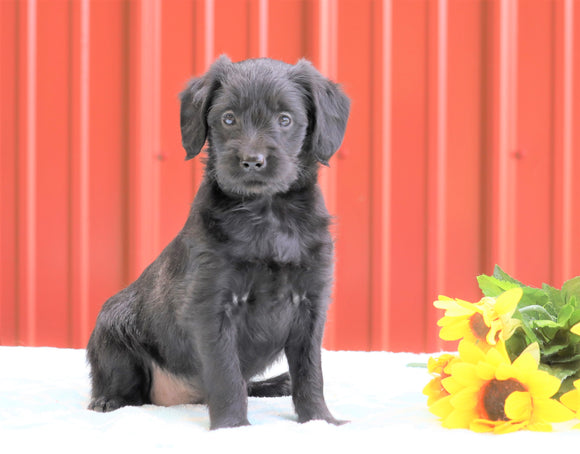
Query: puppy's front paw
{"points": [[104, 404], [324, 416], [337, 422], [227, 423]]}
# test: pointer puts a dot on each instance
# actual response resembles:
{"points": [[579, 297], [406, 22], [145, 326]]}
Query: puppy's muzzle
{"points": [[253, 162]]}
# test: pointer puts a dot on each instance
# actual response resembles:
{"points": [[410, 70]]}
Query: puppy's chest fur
{"points": [[268, 231], [274, 254]]}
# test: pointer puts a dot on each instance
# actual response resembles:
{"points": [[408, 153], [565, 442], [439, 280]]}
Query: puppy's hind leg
{"points": [[118, 378], [272, 387]]}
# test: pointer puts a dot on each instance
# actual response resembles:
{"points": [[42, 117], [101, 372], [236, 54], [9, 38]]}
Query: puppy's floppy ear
{"points": [[195, 103], [328, 110]]}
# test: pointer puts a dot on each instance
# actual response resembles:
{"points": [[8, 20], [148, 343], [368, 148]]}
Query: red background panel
{"points": [[460, 153]]}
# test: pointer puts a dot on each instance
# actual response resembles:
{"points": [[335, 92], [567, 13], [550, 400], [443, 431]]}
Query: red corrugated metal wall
{"points": [[461, 151]]}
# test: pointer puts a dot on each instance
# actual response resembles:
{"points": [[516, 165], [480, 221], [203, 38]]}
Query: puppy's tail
{"points": [[272, 387]]}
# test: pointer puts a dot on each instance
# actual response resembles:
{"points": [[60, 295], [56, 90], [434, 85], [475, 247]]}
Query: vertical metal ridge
{"points": [[31, 200], [78, 174], [84, 170], [263, 23], [209, 35], [327, 45], [562, 136], [327, 64], [567, 132], [436, 163], [148, 140], [507, 122], [126, 141], [381, 174], [9, 114]]}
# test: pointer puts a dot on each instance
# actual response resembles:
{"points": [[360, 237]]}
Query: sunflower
{"points": [[576, 329], [485, 322], [439, 368], [572, 400], [488, 393]]}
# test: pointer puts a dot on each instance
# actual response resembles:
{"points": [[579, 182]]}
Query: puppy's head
{"points": [[268, 123]]}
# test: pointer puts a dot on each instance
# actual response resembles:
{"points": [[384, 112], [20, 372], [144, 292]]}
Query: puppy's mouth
{"points": [[255, 183], [249, 185], [265, 179], [252, 184]]}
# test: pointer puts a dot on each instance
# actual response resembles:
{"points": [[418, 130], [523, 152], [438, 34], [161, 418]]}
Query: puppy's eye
{"points": [[229, 119], [284, 120]]}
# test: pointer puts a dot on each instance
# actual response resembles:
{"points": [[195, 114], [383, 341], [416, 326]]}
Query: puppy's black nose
{"points": [[253, 162]]}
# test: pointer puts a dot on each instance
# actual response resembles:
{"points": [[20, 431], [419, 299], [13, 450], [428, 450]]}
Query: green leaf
{"points": [[565, 314], [560, 372], [535, 312], [547, 329], [571, 288], [501, 275], [518, 342], [567, 385], [547, 324], [493, 287], [552, 349], [554, 295], [536, 297], [575, 317], [564, 360], [546, 316]]}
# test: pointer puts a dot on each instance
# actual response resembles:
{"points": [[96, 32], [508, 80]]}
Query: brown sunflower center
{"points": [[478, 326], [494, 395]]}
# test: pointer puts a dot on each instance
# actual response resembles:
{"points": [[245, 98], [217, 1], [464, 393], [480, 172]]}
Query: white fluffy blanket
{"points": [[44, 393]]}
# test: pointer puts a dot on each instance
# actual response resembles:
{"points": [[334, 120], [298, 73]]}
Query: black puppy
{"points": [[250, 274]]}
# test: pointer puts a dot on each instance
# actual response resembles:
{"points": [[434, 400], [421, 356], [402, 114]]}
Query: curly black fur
{"points": [[250, 274]]}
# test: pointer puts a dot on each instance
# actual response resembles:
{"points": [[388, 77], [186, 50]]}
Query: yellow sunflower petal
{"points": [[502, 349], [497, 356], [576, 329], [540, 427], [465, 374], [492, 335], [509, 427], [453, 309], [526, 362], [482, 425], [470, 352], [455, 331], [436, 365], [465, 399], [550, 410], [534, 350], [509, 327], [451, 385], [458, 419], [450, 321], [443, 298], [571, 399], [485, 371], [433, 386], [432, 364], [518, 406], [505, 371], [542, 384], [442, 408], [506, 302]]}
